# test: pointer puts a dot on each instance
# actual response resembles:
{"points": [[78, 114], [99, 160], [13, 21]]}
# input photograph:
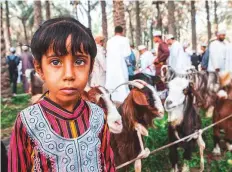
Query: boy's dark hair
{"points": [[118, 29], [54, 32]]}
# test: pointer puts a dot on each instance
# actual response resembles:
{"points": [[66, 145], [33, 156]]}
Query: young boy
{"points": [[62, 132]]}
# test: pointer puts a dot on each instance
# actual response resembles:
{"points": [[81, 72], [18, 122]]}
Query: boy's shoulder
{"points": [[32, 108], [94, 107]]}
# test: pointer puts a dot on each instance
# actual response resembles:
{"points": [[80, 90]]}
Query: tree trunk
{"points": [[193, 21], [37, 14], [138, 25], [208, 19], [131, 28], [48, 11], [8, 35], [171, 18], [25, 30], [215, 15], [89, 16], [104, 19], [119, 15], [5, 80], [159, 18]]}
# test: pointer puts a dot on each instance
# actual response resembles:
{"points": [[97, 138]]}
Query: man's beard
{"points": [[221, 39]]}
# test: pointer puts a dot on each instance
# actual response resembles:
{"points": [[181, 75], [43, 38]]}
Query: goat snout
{"points": [[168, 102]]}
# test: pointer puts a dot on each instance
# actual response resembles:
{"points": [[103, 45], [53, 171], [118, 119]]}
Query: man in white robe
{"points": [[146, 61], [178, 59], [217, 53], [118, 49], [228, 59], [98, 75]]}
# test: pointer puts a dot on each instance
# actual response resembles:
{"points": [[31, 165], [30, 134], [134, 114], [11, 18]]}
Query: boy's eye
{"points": [[79, 62], [55, 62]]}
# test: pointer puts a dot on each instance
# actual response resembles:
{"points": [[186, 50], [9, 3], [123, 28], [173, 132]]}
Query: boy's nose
{"points": [[69, 73]]}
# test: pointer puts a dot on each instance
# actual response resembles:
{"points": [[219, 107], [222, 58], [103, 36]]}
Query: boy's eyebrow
{"points": [[78, 54]]}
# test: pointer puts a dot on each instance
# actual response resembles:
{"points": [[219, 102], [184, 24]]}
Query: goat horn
{"points": [[136, 84]]}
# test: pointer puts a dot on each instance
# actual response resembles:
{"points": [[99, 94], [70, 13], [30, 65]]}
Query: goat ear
{"points": [[139, 98]]}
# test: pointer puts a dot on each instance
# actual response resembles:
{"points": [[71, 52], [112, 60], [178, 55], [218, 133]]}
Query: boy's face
{"points": [[65, 76]]}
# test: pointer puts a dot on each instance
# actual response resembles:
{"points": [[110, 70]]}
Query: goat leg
{"points": [[144, 152], [201, 145], [138, 165]]}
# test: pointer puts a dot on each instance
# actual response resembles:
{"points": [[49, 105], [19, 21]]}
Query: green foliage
{"points": [[10, 110]]}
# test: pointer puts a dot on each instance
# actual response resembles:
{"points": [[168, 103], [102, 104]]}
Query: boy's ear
{"points": [[38, 69]]}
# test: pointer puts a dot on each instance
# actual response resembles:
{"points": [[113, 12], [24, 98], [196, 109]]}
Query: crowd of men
{"points": [[20, 68], [119, 61]]}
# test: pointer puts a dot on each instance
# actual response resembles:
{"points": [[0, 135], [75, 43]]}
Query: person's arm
{"points": [[102, 60], [107, 155], [165, 53], [215, 57], [19, 157]]}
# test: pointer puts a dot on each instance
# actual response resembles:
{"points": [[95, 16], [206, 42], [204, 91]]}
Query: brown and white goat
{"points": [[183, 121], [222, 110], [101, 97], [138, 110]]}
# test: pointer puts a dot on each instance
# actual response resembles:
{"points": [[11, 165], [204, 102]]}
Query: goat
{"points": [[138, 110], [152, 80], [183, 120], [222, 109], [101, 97]]}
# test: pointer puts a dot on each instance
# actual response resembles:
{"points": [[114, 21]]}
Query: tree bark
{"points": [[119, 15], [171, 18], [104, 19], [89, 16], [48, 11], [138, 24], [215, 15], [159, 18], [208, 20], [8, 35], [25, 30], [131, 28], [37, 13], [5, 80], [193, 21]]}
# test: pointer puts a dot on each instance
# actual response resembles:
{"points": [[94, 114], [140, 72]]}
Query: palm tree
{"points": [[208, 19], [171, 18], [138, 24], [24, 12], [104, 19], [5, 81], [193, 21], [215, 15], [48, 11], [8, 35], [119, 14], [37, 13]]}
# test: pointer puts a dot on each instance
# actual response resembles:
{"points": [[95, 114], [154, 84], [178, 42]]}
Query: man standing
{"points": [[178, 59], [163, 52], [98, 75], [146, 61], [204, 56], [13, 62], [217, 53], [118, 49], [228, 60], [27, 67]]}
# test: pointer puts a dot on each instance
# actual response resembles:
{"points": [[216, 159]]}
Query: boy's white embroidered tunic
{"points": [[79, 154]]}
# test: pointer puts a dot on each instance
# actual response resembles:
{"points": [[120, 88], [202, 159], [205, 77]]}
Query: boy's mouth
{"points": [[69, 90]]}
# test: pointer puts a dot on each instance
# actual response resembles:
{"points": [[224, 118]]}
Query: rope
{"points": [[197, 133]]}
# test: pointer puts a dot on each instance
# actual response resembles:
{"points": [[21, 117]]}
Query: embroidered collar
{"points": [[60, 112]]}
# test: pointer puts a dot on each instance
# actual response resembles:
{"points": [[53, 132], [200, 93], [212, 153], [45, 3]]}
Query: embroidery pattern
{"points": [[78, 154]]}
